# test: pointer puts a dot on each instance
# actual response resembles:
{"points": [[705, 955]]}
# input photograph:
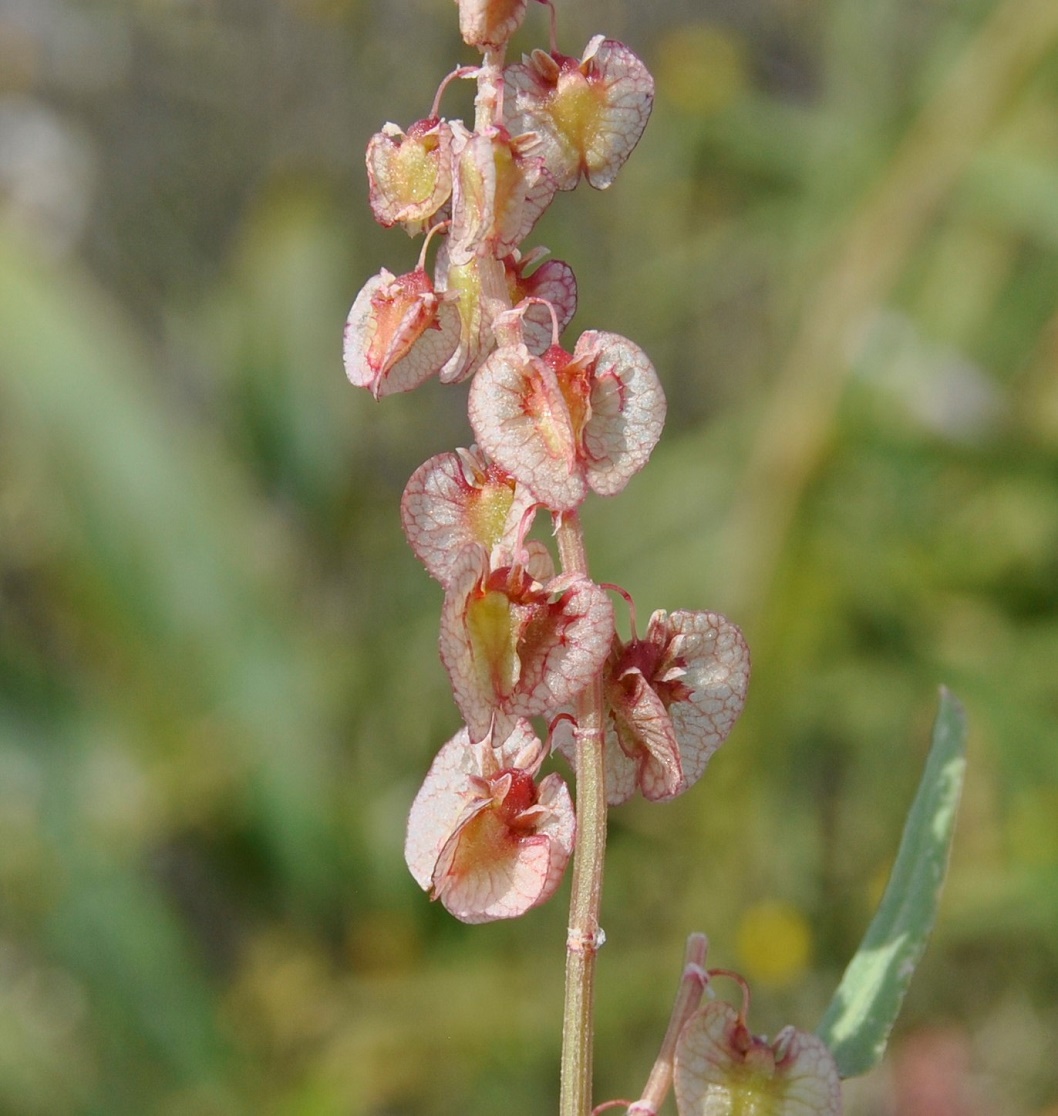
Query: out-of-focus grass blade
{"points": [[857, 1023]]}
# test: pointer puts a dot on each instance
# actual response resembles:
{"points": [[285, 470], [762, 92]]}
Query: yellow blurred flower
{"points": [[774, 943]]}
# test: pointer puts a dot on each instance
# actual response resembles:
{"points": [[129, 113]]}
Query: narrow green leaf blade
{"points": [[857, 1023]]}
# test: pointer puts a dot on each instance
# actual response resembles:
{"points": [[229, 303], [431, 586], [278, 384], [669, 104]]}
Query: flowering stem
{"points": [[488, 107], [584, 936]]}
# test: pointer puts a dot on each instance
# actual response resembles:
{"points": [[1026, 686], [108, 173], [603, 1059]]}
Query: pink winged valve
{"points": [[483, 836]]}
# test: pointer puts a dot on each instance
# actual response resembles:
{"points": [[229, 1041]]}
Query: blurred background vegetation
{"points": [[219, 685]]}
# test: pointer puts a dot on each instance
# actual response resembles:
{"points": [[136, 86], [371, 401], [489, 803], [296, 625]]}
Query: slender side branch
{"points": [[689, 996]]}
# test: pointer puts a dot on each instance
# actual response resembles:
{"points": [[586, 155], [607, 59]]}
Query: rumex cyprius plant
{"points": [[524, 638]]}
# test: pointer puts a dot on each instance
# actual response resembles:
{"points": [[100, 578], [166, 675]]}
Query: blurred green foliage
{"points": [[218, 675]]}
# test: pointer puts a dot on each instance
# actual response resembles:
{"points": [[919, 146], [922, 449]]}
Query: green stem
{"points": [[584, 937]]}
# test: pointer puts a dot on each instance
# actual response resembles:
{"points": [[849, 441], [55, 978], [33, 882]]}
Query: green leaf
{"points": [[857, 1023]]}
